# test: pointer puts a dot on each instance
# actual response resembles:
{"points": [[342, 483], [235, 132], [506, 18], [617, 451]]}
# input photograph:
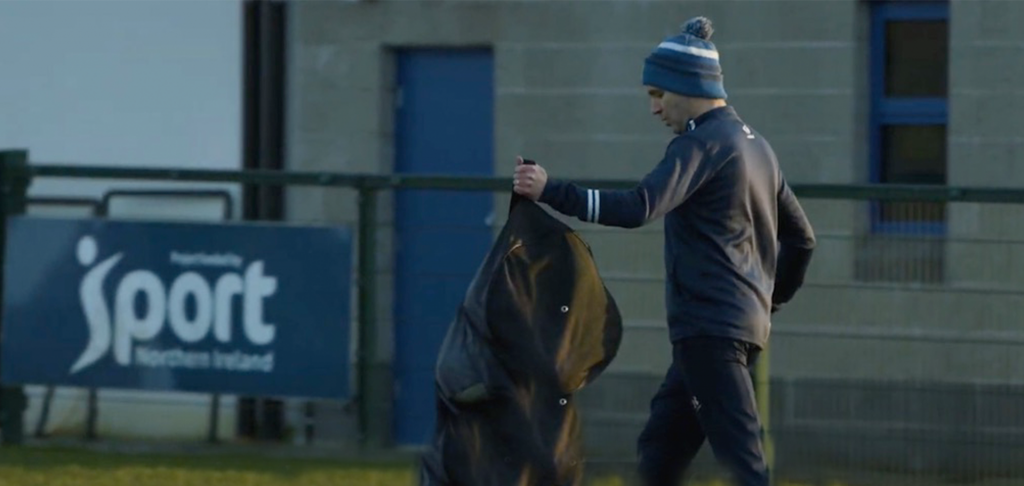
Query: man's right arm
{"points": [[796, 244]]}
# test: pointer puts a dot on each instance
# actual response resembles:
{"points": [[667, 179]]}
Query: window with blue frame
{"points": [[909, 88]]}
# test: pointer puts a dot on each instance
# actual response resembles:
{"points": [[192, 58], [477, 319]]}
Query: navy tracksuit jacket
{"points": [[737, 246]]}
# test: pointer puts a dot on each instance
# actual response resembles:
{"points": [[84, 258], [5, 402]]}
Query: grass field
{"points": [[37, 466], [71, 467], [75, 466]]}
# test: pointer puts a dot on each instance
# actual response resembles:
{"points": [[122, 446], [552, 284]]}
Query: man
{"points": [[737, 246]]}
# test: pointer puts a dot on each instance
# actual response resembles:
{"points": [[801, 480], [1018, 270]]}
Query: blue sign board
{"points": [[252, 309]]}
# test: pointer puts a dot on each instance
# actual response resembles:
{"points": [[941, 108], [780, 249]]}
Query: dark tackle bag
{"points": [[537, 324]]}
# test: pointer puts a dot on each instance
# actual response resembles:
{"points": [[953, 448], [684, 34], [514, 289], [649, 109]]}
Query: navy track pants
{"points": [[708, 395]]}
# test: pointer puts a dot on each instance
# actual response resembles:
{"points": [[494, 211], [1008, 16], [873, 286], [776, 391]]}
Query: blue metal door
{"points": [[444, 125]]}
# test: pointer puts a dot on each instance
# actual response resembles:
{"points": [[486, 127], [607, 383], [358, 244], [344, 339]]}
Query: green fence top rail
{"points": [[449, 182]]}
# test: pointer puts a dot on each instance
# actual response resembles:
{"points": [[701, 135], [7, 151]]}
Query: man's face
{"points": [[673, 109]]}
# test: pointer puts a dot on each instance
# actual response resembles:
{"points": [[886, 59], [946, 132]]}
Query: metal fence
{"points": [[901, 361], [898, 363]]}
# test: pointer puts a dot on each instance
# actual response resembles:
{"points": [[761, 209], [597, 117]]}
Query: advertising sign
{"points": [[254, 309]]}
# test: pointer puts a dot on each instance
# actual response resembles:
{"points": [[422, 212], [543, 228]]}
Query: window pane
{"points": [[914, 154], [916, 58]]}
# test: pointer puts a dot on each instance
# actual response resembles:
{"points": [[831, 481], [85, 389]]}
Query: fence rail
{"points": [[862, 192]]}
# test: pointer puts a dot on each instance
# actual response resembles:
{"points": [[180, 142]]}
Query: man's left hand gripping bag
{"points": [[537, 324]]}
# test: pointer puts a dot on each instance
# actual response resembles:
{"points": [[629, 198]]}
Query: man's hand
{"points": [[529, 180]]}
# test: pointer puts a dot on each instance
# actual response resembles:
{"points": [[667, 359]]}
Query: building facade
{"points": [[883, 343]]}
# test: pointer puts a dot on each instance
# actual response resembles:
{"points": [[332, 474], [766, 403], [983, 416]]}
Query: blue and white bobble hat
{"points": [[687, 64]]}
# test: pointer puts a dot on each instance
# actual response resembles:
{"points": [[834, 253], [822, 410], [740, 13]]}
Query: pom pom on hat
{"points": [[699, 27]]}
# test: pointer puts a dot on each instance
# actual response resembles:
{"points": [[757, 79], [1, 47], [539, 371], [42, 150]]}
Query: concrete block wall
{"points": [[986, 147], [569, 94], [986, 65]]}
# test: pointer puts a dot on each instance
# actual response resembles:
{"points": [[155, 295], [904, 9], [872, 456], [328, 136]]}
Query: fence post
{"points": [[14, 181], [762, 381], [373, 384]]}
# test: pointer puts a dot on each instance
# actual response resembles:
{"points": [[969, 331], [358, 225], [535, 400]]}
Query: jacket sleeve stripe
{"points": [[590, 206]]}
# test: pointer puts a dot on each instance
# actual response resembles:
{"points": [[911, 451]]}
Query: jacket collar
{"points": [[726, 111]]}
